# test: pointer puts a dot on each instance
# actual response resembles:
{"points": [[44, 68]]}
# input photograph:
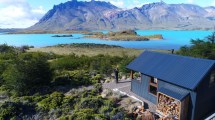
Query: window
{"points": [[153, 86], [153, 90], [212, 79], [154, 80]]}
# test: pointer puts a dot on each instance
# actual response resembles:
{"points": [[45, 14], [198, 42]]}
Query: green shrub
{"points": [[105, 110], [9, 110], [109, 102], [52, 102], [63, 117], [97, 78], [61, 80], [83, 114], [98, 87], [28, 72], [68, 104], [93, 103], [34, 98], [100, 117], [73, 78], [114, 111]]}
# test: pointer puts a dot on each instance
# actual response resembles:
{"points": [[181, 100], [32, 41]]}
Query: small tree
{"points": [[24, 75], [4, 48], [211, 38], [200, 48]]}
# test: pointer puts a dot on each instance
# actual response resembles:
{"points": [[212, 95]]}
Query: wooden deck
{"points": [[124, 87]]}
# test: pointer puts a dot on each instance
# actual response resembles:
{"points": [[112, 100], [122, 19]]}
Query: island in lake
{"points": [[127, 35], [62, 36]]}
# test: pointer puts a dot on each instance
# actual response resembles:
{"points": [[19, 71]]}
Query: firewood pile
{"points": [[169, 107]]}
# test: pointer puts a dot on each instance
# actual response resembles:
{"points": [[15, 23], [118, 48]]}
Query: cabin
{"points": [[180, 87]]}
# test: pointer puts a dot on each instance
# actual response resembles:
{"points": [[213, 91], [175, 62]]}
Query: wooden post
{"points": [[132, 75]]}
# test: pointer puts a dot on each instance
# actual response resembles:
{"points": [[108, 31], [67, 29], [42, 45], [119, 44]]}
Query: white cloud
{"points": [[39, 10], [126, 3], [137, 3], [119, 3], [213, 3], [190, 1], [19, 14], [11, 1]]}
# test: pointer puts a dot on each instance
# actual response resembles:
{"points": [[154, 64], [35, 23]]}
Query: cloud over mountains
{"points": [[19, 14]]}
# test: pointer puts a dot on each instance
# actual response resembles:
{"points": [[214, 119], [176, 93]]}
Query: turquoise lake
{"points": [[172, 39]]}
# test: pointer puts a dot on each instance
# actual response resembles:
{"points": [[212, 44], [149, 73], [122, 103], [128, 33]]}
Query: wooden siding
{"points": [[141, 88], [184, 108], [205, 99]]}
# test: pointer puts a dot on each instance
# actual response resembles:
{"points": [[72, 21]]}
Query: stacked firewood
{"points": [[169, 107]]}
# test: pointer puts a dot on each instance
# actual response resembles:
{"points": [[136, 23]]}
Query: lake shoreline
{"points": [[90, 31], [172, 39]]}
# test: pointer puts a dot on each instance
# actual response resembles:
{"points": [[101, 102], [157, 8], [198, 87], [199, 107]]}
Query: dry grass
{"points": [[91, 50], [88, 51]]}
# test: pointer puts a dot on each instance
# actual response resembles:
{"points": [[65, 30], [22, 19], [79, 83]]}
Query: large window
{"points": [[212, 79], [153, 86]]}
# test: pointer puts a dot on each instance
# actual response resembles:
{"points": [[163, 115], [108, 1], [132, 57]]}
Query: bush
{"points": [[97, 78], [9, 110], [100, 64], [52, 102], [97, 88], [93, 103], [4, 48], [34, 98], [27, 73], [83, 114], [105, 110], [68, 104], [73, 78], [65, 117], [62, 80], [204, 48]]}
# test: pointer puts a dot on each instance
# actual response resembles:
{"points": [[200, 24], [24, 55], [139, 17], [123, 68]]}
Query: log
{"points": [[168, 106]]}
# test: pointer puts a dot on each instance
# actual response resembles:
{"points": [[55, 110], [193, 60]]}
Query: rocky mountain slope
{"points": [[97, 15]]}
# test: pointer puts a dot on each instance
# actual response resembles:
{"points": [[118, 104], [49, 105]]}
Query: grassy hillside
{"points": [[88, 49]]}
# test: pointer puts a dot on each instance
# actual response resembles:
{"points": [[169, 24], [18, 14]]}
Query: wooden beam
{"points": [[132, 75]]}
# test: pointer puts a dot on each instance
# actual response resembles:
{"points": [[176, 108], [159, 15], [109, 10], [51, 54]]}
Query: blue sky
{"points": [[121, 3], [24, 13]]}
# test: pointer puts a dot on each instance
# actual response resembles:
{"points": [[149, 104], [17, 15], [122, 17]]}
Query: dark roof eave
{"points": [[165, 81], [207, 64]]}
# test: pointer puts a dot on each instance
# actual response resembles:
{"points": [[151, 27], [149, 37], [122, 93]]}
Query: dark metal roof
{"points": [[183, 71], [178, 94]]}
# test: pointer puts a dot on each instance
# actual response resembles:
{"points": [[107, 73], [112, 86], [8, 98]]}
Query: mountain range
{"points": [[99, 15]]}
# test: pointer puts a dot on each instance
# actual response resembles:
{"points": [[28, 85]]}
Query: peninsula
{"points": [[127, 35]]}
